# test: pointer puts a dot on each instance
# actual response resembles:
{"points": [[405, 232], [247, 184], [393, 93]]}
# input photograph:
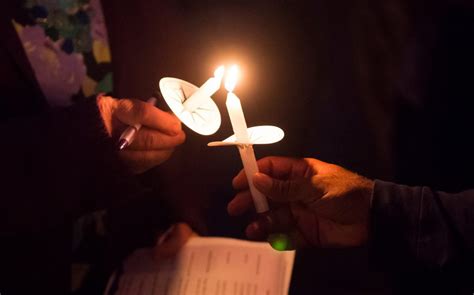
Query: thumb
{"points": [[172, 240], [283, 190]]}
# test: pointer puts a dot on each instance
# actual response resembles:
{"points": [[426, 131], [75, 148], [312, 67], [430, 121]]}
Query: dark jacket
{"points": [[424, 237]]}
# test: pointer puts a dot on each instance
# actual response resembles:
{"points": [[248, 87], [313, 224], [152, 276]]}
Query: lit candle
{"points": [[206, 90], [239, 126]]}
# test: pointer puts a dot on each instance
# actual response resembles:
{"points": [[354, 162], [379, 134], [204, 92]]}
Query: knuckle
{"points": [[281, 188], [140, 110], [336, 169], [125, 105]]}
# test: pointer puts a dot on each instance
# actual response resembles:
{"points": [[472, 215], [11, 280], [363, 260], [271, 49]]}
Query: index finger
{"points": [[276, 167], [133, 111]]}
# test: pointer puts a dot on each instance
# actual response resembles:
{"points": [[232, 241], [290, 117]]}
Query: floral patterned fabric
{"points": [[67, 46]]}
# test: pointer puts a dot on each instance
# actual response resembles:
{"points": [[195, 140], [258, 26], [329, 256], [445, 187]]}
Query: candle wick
{"points": [[182, 93]]}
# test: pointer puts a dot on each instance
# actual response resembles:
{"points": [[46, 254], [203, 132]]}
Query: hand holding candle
{"points": [[200, 106], [239, 126]]}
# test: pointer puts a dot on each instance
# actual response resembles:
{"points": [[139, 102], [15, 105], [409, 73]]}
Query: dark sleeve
{"points": [[421, 227], [56, 166]]}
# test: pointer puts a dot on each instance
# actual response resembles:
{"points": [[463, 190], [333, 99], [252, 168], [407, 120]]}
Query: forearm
{"points": [[415, 225]]}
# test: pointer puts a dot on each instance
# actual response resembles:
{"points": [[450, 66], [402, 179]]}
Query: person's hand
{"points": [[169, 243], [160, 133], [315, 203]]}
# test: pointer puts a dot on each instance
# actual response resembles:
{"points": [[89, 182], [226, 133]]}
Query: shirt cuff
{"points": [[395, 218]]}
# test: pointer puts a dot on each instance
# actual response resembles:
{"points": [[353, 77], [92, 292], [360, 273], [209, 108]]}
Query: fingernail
{"points": [[175, 129], [262, 181]]}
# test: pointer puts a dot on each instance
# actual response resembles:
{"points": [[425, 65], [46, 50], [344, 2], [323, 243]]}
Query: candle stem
{"points": [[250, 166]]}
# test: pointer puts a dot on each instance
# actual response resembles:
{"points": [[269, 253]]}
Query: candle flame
{"points": [[232, 77], [219, 72]]}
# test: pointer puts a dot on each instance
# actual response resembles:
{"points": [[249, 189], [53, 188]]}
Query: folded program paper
{"points": [[216, 266]]}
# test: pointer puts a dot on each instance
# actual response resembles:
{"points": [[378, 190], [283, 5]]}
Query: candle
{"points": [[237, 118], [206, 90], [239, 126]]}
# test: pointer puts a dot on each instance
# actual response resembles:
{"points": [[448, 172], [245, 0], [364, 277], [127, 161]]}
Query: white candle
{"points": [[237, 118], [239, 126], [206, 90]]}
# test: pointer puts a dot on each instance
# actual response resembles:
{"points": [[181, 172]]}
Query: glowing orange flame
{"points": [[232, 77], [219, 72]]}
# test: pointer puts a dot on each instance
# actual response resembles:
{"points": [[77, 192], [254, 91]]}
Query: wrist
{"points": [[369, 188], [368, 191]]}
